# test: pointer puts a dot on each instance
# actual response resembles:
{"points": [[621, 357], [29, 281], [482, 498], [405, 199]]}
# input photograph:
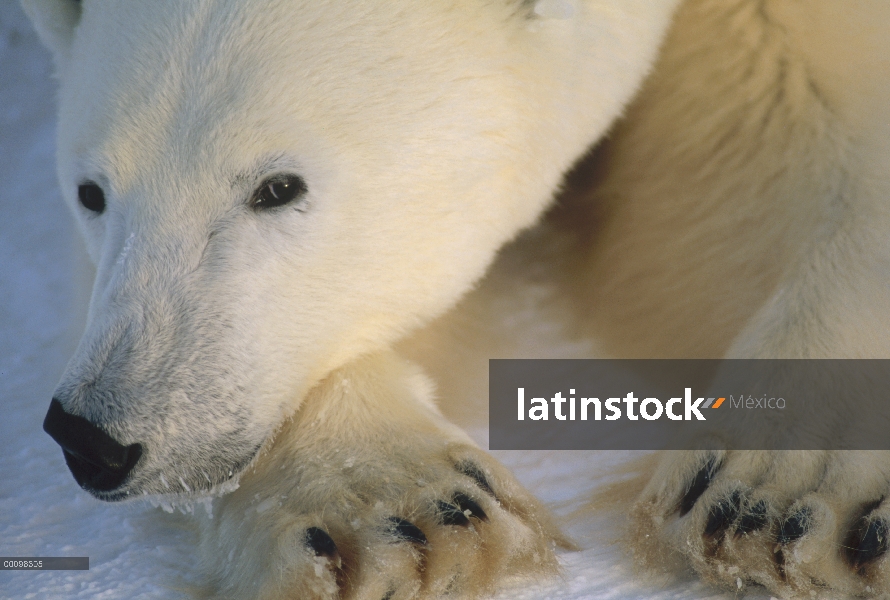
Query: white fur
{"points": [[421, 156], [739, 207]]}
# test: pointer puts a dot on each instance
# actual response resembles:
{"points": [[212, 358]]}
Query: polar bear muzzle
{"points": [[97, 461]]}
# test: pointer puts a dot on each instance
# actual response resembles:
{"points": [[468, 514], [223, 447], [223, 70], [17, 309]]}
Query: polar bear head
{"points": [[272, 188]]}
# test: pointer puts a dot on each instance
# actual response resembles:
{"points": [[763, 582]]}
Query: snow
{"points": [[136, 550]]}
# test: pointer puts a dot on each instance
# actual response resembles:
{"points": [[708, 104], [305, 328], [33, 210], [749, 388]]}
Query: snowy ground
{"points": [[137, 551]]}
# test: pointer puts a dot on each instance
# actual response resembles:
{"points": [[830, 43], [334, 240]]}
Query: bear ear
{"points": [[54, 21]]}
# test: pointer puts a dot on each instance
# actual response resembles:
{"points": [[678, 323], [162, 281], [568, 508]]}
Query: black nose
{"points": [[97, 461]]}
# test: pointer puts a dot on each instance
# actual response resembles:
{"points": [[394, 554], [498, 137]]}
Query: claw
{"points": [[451, 515], [723, 514], [474, 472], [795, 526], [872, 544], [465, 503], [406, 531], [752, 520], [699, 485], [320, 542], [867, 540]]}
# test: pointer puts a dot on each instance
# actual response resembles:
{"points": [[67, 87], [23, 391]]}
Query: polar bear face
{"points": [[272, 188]]}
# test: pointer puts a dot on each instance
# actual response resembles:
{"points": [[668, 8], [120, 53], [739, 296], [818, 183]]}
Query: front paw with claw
{"points": [[802, 524], [355, 501]]}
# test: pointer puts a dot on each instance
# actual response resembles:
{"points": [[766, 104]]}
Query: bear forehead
{"points": [[148, 78]]}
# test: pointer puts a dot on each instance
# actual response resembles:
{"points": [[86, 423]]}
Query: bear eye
{"points": [[91, 197], [279, 191]]}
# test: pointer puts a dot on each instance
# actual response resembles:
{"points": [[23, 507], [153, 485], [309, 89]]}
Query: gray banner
{"points": [[689, 404], [44, 563]]}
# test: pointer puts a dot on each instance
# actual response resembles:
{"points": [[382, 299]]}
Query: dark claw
{"points": [[406, 531], [867, 543], [795, 526], [779, 559], [752, 520], [451, 515], [699, 485], [473, 471], [465, 503], [723, 514], [320, 542]]}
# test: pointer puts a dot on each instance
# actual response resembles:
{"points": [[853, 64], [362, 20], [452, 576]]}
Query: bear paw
{"points": [[359, 501], [802, 524], [453, 522]]}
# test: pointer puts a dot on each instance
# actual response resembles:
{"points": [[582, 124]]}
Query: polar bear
{"points": [[311, 219]]}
